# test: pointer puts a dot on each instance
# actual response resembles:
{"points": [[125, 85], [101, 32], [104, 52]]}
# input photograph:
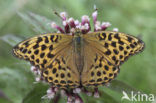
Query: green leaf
{"points": [[116, 88], [39, 23], [87, 99], [14, 83], [34, 96], [11, 39], [4, 98], [120, 86], [104, 97]]}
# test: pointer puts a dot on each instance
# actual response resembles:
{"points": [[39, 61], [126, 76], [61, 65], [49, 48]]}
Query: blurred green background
{"points": [[136, 17]]}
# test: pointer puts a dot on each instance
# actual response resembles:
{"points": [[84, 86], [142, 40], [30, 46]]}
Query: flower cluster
{"points": [[70, 24], [69, 27]]}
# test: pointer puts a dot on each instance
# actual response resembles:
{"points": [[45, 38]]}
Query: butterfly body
{"points": [[70, 61], [78, 50]]}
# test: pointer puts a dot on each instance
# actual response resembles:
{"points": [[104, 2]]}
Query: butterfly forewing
{"points": [[41, 49], [107, 51], [115, 46], [50, 53]]}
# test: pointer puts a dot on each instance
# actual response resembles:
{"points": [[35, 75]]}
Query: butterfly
{"points": [[71, 61]]}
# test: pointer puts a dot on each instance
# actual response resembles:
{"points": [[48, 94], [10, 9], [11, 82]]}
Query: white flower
{"points": [[77, 90], [63, 15], [65, 23], [53, 25], [96, 95], [37, 79], [115, 29], [106, 24], [85, 18], [76, 22], [94, 14], [70, 20]]}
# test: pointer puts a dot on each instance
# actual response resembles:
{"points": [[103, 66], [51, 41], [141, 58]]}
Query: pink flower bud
{"points": [[97, 26], [71, 22], [37, 79], [70, 99], [63, 93], [53, 25], [89, 93], [77, 90], [105, 25], [50, 94], [94, 15], [56, 89], [64, 23], [107, 84], [96, 95], [76, 22], [85, 19], [32, 68], [77, 100], [63, 15]]}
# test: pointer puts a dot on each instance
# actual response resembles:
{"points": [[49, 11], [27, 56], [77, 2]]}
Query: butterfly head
{"points": [[77, 32]]}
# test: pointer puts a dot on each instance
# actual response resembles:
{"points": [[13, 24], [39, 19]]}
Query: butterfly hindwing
{"points": [[62, 72], [97, 69]]}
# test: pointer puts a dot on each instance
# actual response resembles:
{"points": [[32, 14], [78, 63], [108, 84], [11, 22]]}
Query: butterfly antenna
{"points": [[56, 13], [95, 8]]}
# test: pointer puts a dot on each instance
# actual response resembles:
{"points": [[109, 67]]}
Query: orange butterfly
{"points": [[70, 61]]}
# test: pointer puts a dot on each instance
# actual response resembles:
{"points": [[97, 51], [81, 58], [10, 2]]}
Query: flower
{"points": [[69, 27], [70, 24]]}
